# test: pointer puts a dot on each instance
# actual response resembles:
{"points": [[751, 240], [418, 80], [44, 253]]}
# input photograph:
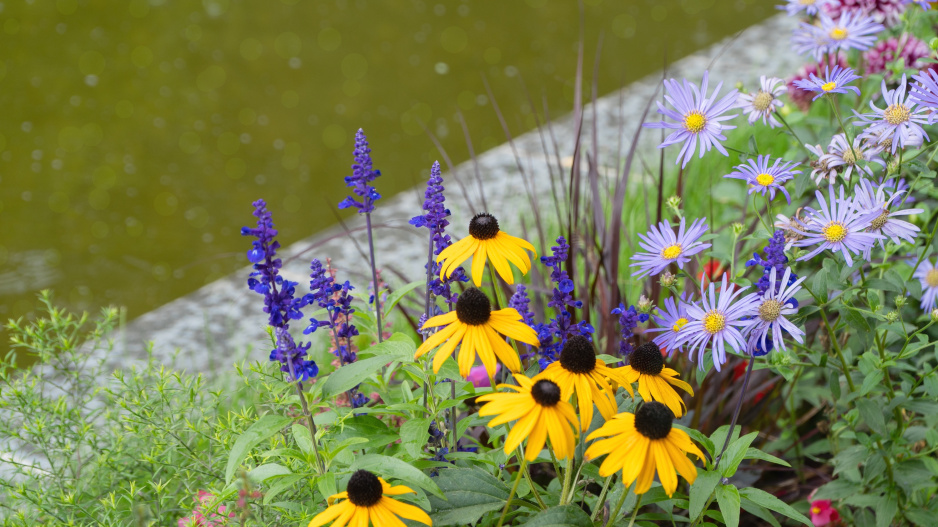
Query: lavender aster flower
{"points": [[810, 39], [774, 305], [663, 247], [764, 102], [697, 117], [853, 30], [810, 7], [819, 169], [841, 156], [628, 321], [901, 121], [717, 321], [925, 92], [834, 81], [873, 200], [362, 175], [924, 4], [763, 178], [927, 274], [670, 321], [838, 227], [279, 301]]}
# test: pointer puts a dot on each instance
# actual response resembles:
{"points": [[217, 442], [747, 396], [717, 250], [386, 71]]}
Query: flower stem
{"points": [[638, 505], [739, 405], [427, 304], [567, 478], [791, 131], [514, 488], [602, 497], [615, 513], [320, 467], [374, 278]]}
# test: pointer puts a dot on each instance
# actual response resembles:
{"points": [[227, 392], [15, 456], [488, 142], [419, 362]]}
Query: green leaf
{"points": [[391, 467], [302, 437], [351, 375], [470, 493], [414, 435], [268, 470], [735, 453], [700, 492], [759, 511], [872, 415], [562, 516], [728, 498], [280, 485], [886, 511], [764, 499], [262, 429], [372, 430], [856, 320], [398, 294], [755, 453]]}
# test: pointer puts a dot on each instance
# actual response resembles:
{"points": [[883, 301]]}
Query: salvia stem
{"points": [[514, 488], [374, 277], [309, 419], [739, 405]]}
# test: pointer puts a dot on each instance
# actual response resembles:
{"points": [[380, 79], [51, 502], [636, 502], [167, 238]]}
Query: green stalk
{"points": [[514, 488]]}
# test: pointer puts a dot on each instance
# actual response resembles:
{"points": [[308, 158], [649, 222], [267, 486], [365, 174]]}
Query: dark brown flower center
{"points": [[653, 420], [483, 226], [473, 307], [364, 489], [647, 359], [545, 393], [578, 355]]}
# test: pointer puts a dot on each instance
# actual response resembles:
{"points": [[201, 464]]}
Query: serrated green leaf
{"points": [[701, 491], [391, 467], [770, 502], [470, 493], [562, 516], [728, 499], [262, 429]]}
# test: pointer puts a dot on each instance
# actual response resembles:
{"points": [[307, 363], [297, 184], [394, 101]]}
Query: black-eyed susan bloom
{"points": [[540, 412], [486, 241], [655, 382], [640, 443], [366, 500], [474, 325], [579, 372]]}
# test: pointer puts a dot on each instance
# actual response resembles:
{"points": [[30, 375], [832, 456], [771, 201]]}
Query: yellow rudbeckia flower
{"points": [[366, 500], [485, 241], [646, 365]]}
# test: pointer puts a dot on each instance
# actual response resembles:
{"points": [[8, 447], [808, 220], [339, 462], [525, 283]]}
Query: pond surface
{"points": [[136, 133]]}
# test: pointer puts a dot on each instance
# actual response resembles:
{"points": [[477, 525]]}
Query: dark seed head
{"points": [[364, 489], [578, 355], [483, 226], [473, 307], [546, 393], [647, 359], [653, 420]]}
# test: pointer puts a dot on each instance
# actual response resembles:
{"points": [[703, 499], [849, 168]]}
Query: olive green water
{"points": [[135, 134]]}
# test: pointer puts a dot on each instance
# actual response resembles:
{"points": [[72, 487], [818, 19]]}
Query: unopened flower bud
{"points": [[892, 167], [892, 316], [784, 110], [900, 301], [739, 85], [934, 315], [737, 229], [667, 280], [674, 203], [933, 44], [644, 305]]}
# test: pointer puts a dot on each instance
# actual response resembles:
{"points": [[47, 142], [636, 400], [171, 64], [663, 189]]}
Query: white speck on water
{"points": [[245, 138], [441, 68], [295, 62], [91, 80]]}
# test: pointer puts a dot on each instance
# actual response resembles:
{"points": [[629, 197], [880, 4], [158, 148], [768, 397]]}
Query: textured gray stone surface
{"points": [[215, 325]]}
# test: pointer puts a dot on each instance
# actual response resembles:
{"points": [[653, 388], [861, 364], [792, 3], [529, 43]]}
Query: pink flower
{"points": [[198, 519], [823, 514], [907, 47], [479, 378], [886, 12]]}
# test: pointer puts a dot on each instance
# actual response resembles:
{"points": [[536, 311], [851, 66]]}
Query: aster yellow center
{"points": [[806, 2], [880, 220], [849, 157], [931, 278], [828, 86], [834, 231], [765, 179], [770, 310], [839, 33], [897, 114], [694, 122], [714, 322], [679, 323], [671, 252], [762, 101]]}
